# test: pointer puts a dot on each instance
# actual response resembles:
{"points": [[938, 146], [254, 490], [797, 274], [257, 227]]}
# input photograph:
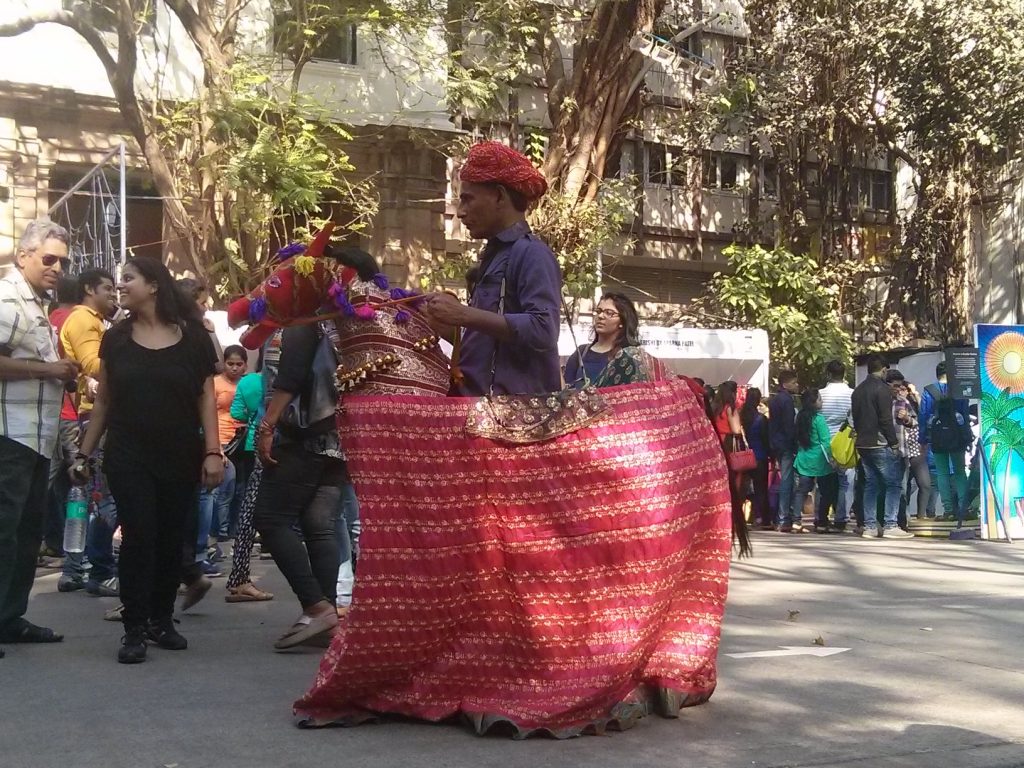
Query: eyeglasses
{"points": [[49, 260], [605, 313]]}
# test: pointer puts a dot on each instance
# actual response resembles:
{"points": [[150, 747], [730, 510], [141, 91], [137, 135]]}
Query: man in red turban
{"points": [[510, 337]]}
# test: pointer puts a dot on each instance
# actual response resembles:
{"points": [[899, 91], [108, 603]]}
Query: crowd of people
{"points": [[181, 450], [903, 440], [121, 387]]}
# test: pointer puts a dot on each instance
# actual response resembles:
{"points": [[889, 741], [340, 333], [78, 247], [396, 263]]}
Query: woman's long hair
{"points": [[749, 410], [629, 336], [174, 306], [725, 396], [804, 419]]}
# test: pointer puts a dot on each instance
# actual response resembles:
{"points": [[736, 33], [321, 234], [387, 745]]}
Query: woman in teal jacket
{"points": [[248, 406], [814, 464]]}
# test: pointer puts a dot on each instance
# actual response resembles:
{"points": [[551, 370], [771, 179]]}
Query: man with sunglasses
{"points": [[32, 380]]}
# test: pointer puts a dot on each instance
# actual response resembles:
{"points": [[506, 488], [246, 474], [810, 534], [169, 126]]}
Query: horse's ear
{"points": [[363, 263]]}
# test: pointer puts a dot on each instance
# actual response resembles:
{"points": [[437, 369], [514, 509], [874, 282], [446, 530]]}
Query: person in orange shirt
{"points": [[95, 570], [215, 506]]}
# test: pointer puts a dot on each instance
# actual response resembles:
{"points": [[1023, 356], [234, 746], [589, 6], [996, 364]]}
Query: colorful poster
{"points": [[1001, 357]]}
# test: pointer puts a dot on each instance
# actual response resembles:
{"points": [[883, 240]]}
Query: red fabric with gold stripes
{"points": [[565, 586]]}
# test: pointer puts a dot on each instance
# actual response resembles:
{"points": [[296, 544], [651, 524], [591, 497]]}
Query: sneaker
{"points": [[109, 588], [70, 583], [867, 533], [210, 570], [133, 646], [114, 614], [216, 555], [163, 633], [897, 533]]}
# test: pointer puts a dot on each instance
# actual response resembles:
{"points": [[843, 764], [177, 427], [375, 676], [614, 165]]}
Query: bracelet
{"points": [[265, 426], [218, 454]]}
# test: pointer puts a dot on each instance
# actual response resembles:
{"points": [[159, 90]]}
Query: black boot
{"points": [[133, 646], [163, 633]]}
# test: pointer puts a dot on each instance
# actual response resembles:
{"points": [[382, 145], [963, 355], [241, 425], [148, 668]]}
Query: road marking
{"points": [[788, 650]]}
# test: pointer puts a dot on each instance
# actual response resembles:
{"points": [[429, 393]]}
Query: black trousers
{"points": [[24, 476], [303, 488], [153, 513]]}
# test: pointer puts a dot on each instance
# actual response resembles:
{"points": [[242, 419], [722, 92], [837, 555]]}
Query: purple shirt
{"points": [[528, 362]]}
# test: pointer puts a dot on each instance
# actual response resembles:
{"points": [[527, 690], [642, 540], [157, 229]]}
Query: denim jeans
{"points": [[826, 486], [953, 505], [214, 506], [789, 514], [883, 474], [346, 530], [97, 561]]}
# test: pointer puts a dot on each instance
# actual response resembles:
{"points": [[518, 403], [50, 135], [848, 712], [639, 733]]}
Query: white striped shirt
{"points": [[29, 409], [835, 405]]}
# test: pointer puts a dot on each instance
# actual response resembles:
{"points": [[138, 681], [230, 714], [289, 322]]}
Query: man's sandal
{"points": [[27, 632]]}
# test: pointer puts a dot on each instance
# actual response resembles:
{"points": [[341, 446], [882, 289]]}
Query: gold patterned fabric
{"points": [[524, 419], [565, 586]]}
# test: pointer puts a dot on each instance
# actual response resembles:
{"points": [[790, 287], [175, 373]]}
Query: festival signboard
{"points": [[1001, 362]]}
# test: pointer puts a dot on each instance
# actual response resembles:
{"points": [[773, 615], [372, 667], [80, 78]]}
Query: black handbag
{"points": [[237, 442]]}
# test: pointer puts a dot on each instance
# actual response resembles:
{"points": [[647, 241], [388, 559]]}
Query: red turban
{"points": [[492, 163]]}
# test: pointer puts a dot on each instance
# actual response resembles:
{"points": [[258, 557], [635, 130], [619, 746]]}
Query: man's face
{"points": [[43, 265], [792, 386], [479, 210], [102, 297]]}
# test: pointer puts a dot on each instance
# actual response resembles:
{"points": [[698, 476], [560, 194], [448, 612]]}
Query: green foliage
{"points": [[784, 294]]}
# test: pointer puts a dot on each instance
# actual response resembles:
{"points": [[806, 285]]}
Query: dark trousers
{"points": [[761, 510], [303, 488], [153, 513], [24, 475]]}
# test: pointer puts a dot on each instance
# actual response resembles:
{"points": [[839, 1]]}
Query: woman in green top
{"points": [[814, 464]]}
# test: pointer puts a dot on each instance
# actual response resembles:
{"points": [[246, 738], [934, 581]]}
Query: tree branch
{"points": [[72, 21]]}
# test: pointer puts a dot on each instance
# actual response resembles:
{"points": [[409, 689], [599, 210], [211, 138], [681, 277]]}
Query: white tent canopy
{"points": [[715, 355]]}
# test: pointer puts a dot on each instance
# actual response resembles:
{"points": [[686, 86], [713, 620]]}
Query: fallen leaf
{"points": [[819, 640], [793, 615], [926, 629]]}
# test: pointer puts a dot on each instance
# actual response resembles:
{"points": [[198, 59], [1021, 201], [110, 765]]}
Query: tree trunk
{"points": [[600, 97]]}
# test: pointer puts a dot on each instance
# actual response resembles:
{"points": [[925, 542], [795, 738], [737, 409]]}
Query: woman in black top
{"points": [[156, 405]]}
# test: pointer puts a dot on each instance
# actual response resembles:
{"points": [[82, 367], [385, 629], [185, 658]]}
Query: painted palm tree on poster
{"points": [[1001, 355]]}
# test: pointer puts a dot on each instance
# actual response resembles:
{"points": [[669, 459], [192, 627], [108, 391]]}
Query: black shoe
{"points": [[163, 633], [133, 646]]}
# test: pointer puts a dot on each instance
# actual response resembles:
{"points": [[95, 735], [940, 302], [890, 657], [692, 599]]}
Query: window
{"points": [[656, 164], [871, 190], [722, 170], [709, 177], [338, 44], [666, 165], [728, 171], [102, 16], [770, 179]]}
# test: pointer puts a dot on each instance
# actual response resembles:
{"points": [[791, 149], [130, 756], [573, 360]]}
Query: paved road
{"points": [[934, 677]]}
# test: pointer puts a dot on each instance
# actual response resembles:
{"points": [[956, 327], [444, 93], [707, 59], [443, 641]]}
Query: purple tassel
{"points": [[365, 312], [381, 281], [292, 249], [398, 293], [257, 309], [403, 316]]}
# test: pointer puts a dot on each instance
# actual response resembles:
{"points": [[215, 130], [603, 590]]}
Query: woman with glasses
{"points": [[614, 356]]}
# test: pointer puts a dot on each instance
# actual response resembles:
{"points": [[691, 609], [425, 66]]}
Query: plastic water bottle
{"points": [[77, 521]]}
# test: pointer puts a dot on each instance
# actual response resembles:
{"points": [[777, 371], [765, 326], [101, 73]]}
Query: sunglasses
{"points": [[49, 260], [606, 313]]}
